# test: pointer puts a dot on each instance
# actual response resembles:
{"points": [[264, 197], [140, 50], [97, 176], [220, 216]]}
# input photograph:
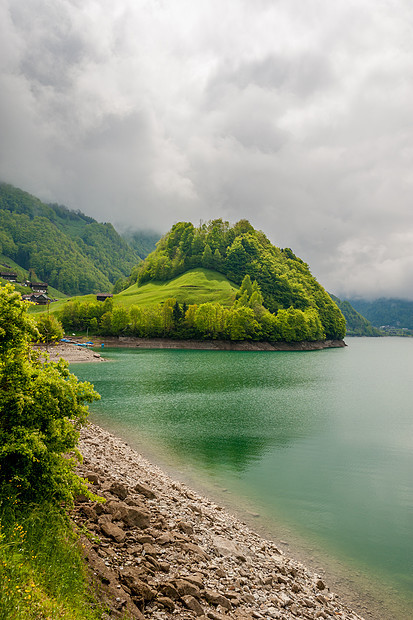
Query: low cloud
{"points": [[294, 115]]}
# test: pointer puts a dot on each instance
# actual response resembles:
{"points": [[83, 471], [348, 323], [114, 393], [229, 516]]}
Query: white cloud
{"points": [[294, 115]]}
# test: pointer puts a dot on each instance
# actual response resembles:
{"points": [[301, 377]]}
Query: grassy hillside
{"points": [[69, 250], [196, 286], [7, 264]]}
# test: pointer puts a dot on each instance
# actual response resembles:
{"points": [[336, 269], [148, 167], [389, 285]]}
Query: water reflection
{"points": [[220, 409]]}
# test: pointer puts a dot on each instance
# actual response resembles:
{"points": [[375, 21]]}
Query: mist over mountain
{"points": [[67, 249]]}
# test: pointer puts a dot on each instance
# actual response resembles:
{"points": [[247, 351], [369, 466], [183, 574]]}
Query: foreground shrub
{"points": [[42, 407]]}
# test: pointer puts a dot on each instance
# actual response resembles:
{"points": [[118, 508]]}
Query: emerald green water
{"points": [[318, 442]]}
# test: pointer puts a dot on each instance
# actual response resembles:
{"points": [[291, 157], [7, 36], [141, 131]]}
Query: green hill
{"points": [[389, 312], [69, 250], [195, 286], [215, 281], [7, 265], [284, 279], [356, 323]]}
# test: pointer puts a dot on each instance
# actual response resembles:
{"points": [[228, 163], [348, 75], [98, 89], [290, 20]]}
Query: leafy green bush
{"points": [[42, 407], [50, 328]]}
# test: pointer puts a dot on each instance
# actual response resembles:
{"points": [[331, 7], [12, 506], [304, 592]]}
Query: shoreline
{"points": [[188, 538], [219, 345], [200, 345]]}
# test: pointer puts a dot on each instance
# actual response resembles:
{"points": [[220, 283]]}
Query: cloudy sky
{"points": [[294, 114]]}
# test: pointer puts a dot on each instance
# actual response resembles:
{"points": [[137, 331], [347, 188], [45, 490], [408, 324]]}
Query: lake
{"points": [[318, 444]]}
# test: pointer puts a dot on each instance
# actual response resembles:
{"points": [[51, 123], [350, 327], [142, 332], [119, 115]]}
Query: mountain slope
{"points": [[356, 323], [67, 249], [392, 312], [284, 279]]}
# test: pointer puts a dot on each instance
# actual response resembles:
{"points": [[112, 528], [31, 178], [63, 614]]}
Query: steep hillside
{"points": [[284, 279], [396, 313], [356, 323], [67, 249]]}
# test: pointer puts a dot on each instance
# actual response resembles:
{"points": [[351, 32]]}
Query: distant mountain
{"points": [[284, 280], [356, 323], [394, 313], [143, 242], [71, 251]]}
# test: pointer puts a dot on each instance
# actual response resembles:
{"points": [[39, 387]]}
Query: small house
{"points": [[39, 287], [9, 276], [37, 298], [103, 296]]}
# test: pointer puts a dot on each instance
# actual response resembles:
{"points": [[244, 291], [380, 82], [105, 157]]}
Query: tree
{"points": [[42, 408], [207, 258], [49, 327]]}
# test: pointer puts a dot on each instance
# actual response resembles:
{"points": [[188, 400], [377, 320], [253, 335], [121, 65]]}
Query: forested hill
{"points": [[69, 250], [356, 323], [397, 313], [284, 279]]}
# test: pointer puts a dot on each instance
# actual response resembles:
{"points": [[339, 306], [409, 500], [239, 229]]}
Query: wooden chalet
{"points": [[103, 296], [37, 298], [8, 275], [39, 287]]}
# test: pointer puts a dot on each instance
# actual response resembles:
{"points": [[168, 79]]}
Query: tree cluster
{"points": [[247, 319], [284, 279]]}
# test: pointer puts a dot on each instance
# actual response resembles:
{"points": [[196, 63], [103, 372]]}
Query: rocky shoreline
{"points": [[219, 345], [158, 550]]}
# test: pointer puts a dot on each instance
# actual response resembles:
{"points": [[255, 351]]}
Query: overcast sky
{"points": [[294, 114]]}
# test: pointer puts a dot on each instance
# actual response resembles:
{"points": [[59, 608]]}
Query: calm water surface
{"points": [[318, 442]]}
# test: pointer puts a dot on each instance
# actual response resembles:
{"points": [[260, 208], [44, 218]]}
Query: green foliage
{"points": [[42, 408], [393, 312], [70, 251], [41, 569], [50, 328], [284, 280], [356, 324]]}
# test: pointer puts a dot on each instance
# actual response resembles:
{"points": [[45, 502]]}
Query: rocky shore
{"points": [[69, 352], [220, 345], [158, 550]]}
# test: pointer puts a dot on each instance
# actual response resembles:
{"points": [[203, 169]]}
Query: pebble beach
{"points": [[159, 550]]}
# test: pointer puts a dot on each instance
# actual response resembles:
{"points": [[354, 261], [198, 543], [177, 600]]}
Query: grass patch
{"points": [[42, 574], [196, 286]]}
